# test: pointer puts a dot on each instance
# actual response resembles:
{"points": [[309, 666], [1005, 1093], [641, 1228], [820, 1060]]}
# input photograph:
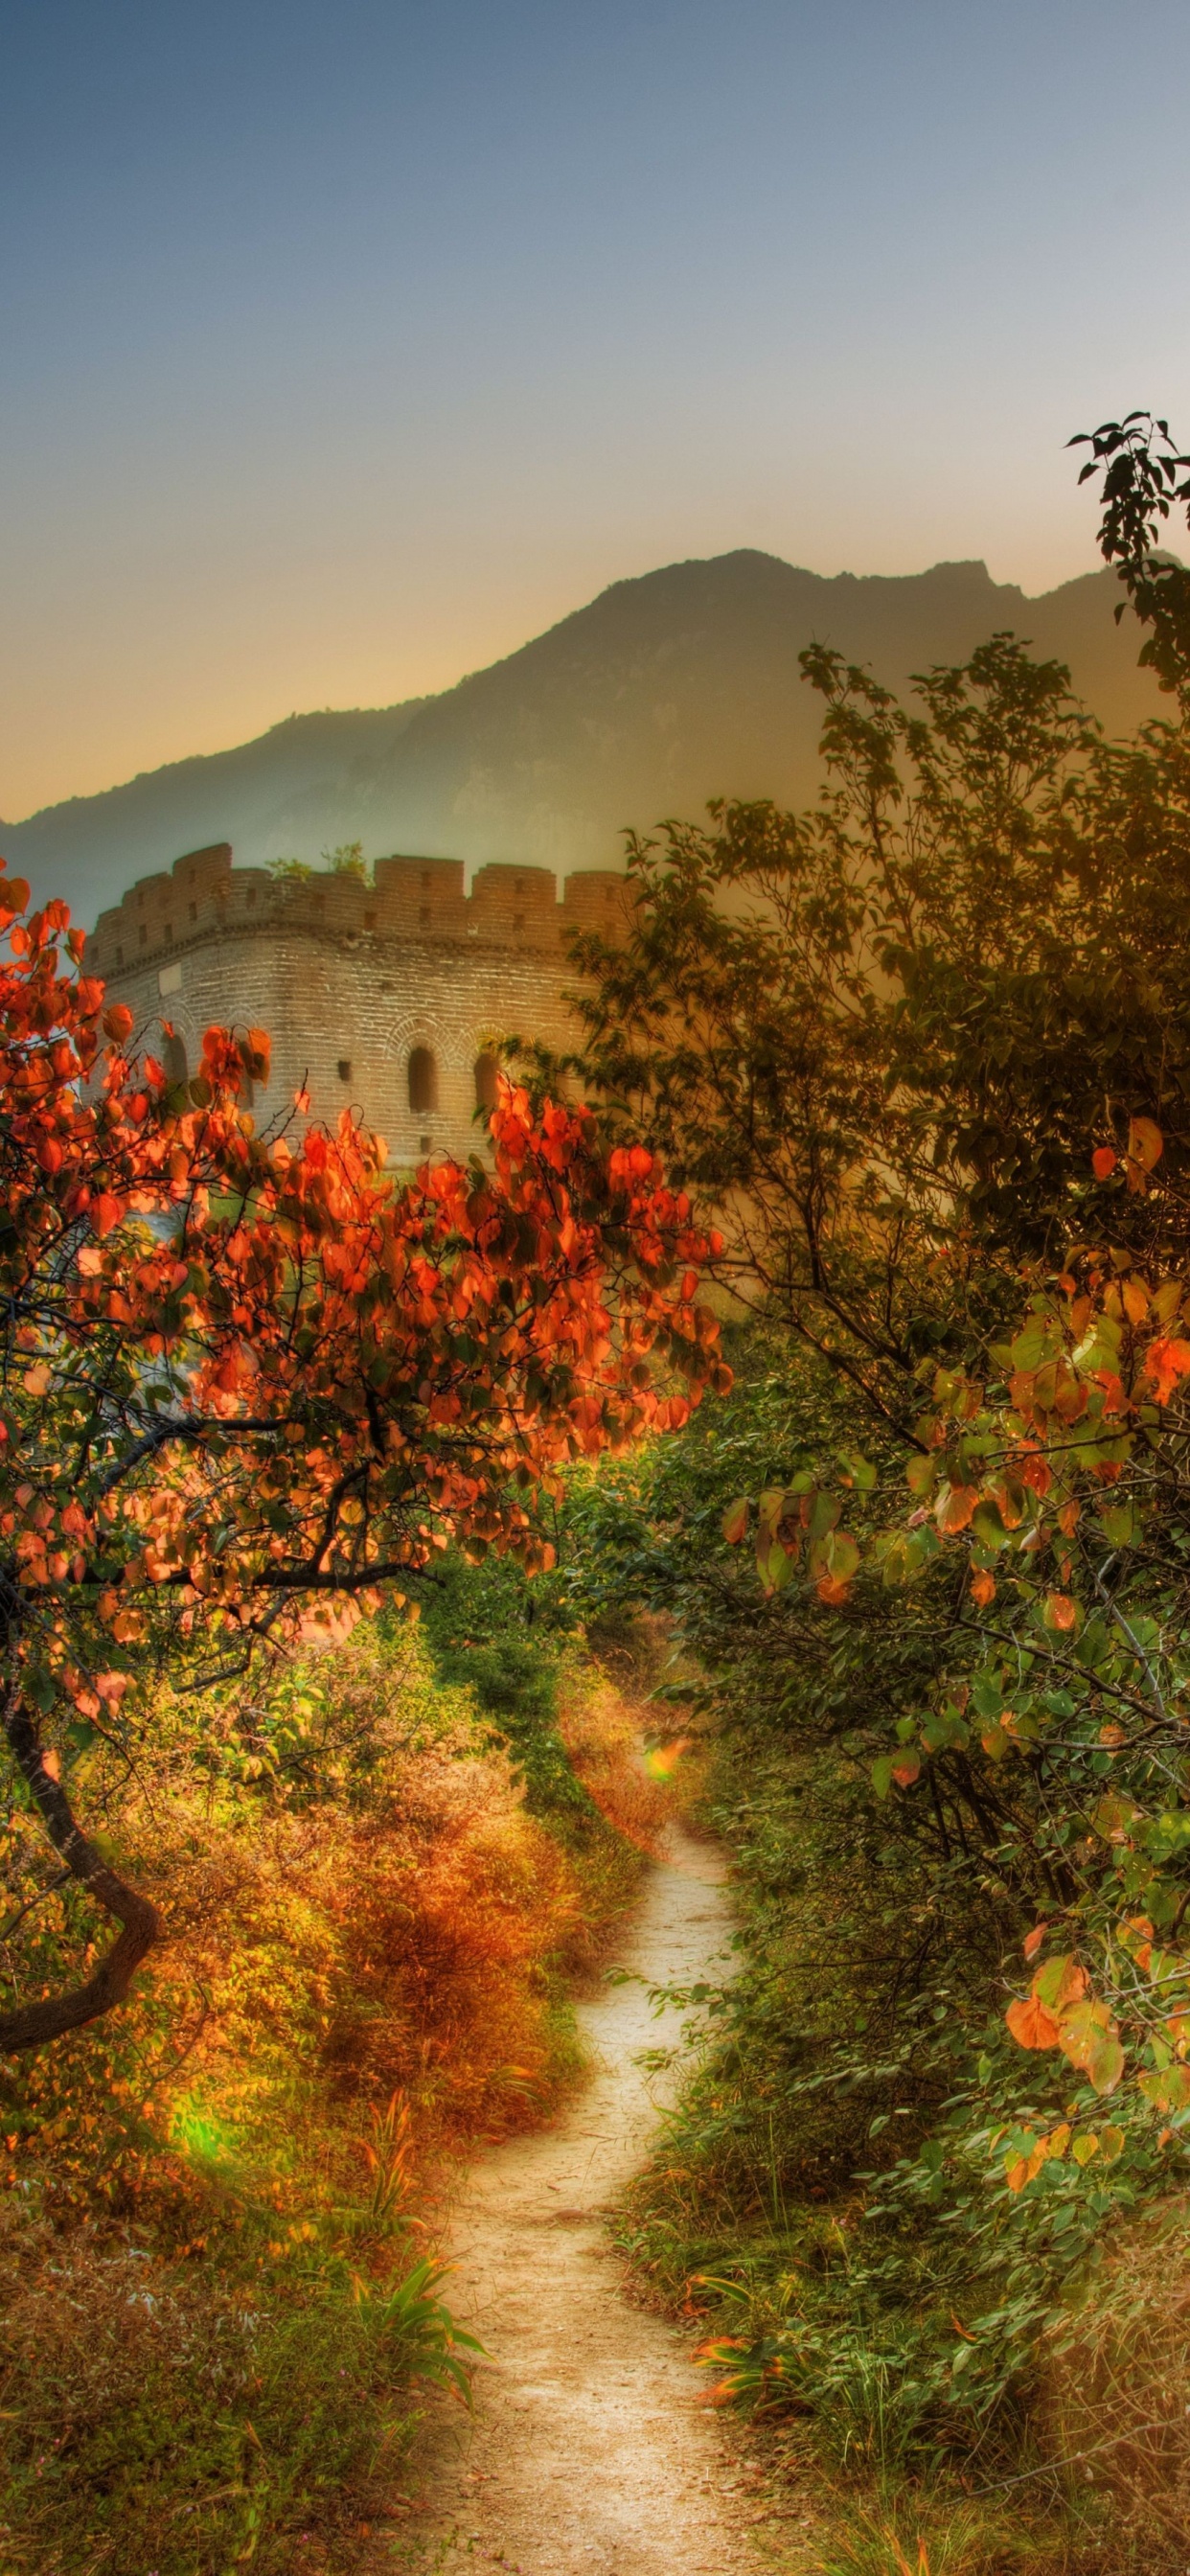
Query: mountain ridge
{"points": [[667, 688]]}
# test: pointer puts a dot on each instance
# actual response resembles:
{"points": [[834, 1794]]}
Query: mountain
{"points": [[664, 691]]}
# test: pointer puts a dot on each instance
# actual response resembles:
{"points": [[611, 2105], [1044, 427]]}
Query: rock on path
{"points": [[589, 2453]]}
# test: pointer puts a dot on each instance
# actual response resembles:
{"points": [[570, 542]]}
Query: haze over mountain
{"points": [[664, 691]]}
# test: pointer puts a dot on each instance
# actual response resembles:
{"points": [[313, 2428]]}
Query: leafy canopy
{"points": [[248, 1384]]}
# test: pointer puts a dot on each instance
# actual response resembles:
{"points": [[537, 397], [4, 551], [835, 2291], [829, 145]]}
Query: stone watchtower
{"points": [[383, 998]]}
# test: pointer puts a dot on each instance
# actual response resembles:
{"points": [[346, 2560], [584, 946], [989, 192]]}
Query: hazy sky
{"points": [[345, 346]]}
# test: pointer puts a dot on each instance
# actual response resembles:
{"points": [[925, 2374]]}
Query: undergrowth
{"points": [[828, 2205], [216, 2228]]}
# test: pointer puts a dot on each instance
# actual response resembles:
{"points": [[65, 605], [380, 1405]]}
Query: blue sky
{"points": [[347, 346]]}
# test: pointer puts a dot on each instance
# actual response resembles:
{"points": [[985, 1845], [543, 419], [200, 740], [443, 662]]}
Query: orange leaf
{"points": [[1103, 1162], [1034, 1939], [1031, 2024], [983, 1588], [1060, 1611], [1166, 1362]]}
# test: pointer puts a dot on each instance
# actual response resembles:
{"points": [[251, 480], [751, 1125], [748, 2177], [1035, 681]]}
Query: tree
{"points": [[1053, 1459], [1144, 473], [248, 1386], [928, 1050], [877, 1036]]}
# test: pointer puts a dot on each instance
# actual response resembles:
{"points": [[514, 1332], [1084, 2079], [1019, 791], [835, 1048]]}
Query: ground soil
{"points": [[592, 2451]]}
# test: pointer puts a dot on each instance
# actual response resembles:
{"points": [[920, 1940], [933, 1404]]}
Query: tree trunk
{"points": [[30, 2025]]}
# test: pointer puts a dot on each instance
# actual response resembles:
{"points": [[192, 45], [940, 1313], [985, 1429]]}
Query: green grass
{"points": [[176, 2418]]}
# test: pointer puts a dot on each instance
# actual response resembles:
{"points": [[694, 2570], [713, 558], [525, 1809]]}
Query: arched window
{"points": [[176, 1067], [487, 1071], [423, 1080]]}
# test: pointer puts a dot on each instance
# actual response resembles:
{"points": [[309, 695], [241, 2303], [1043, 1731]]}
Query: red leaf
{"points": [[1166, 1362]]}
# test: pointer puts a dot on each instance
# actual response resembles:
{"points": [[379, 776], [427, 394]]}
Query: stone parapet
{"points": [[382, 997]]}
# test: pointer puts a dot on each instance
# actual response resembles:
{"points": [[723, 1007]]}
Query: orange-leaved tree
{"points": [[250, 1383]]}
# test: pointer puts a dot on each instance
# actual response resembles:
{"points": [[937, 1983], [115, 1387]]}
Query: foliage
{"points": [[924, 1053], [879, 1035], [214, 2204], [1144, 476], [347, 860], [243, 1381], [505, 1638]]}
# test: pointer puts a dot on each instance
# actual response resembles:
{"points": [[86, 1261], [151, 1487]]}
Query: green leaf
{"points": [[824, 1514], [858, 1471]]}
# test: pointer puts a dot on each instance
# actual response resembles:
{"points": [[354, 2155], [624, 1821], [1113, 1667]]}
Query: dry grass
{"points": [[601, 1724], [1116, 2392]]}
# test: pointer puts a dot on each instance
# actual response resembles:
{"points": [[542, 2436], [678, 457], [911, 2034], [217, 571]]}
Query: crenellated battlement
{"points": [[388, 998], [410, 899]]}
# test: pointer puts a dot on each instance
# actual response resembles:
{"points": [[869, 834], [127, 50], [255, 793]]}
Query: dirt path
{"points": [[589, 2454]]}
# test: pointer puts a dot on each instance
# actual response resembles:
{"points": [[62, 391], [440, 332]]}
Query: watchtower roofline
{"points": [[389, 999], [410, 899]]}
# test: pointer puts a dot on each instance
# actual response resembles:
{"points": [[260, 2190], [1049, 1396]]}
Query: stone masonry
{"points": [[383, 998]]}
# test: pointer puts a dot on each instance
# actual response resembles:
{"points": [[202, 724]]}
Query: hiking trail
{"points": [[591, 2451]]}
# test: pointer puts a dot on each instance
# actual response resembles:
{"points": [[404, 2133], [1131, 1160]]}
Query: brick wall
{"points": [[381, 998]]}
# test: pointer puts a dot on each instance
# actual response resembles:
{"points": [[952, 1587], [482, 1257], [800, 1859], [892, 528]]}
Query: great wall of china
{"points": [[384, 997]]}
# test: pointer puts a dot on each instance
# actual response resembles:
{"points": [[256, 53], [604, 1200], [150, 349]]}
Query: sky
{"points": [[346, 346]]}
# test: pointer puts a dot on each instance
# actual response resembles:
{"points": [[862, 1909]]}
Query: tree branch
{"points": [[31, 2025]]}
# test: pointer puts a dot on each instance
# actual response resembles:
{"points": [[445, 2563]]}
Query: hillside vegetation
{"points": [[216, 2239], [834, 1339], [928, 1048]]}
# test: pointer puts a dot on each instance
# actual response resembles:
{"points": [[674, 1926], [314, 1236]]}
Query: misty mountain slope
{"points": [[90, 848], [664, 691]]}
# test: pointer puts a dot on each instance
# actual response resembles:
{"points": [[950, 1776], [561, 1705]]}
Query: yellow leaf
{"points": [[1146, 1143], [1136, 1299]]}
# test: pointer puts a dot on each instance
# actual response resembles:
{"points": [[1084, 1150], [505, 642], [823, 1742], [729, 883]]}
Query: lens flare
{"points": [[661, 1761]]}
